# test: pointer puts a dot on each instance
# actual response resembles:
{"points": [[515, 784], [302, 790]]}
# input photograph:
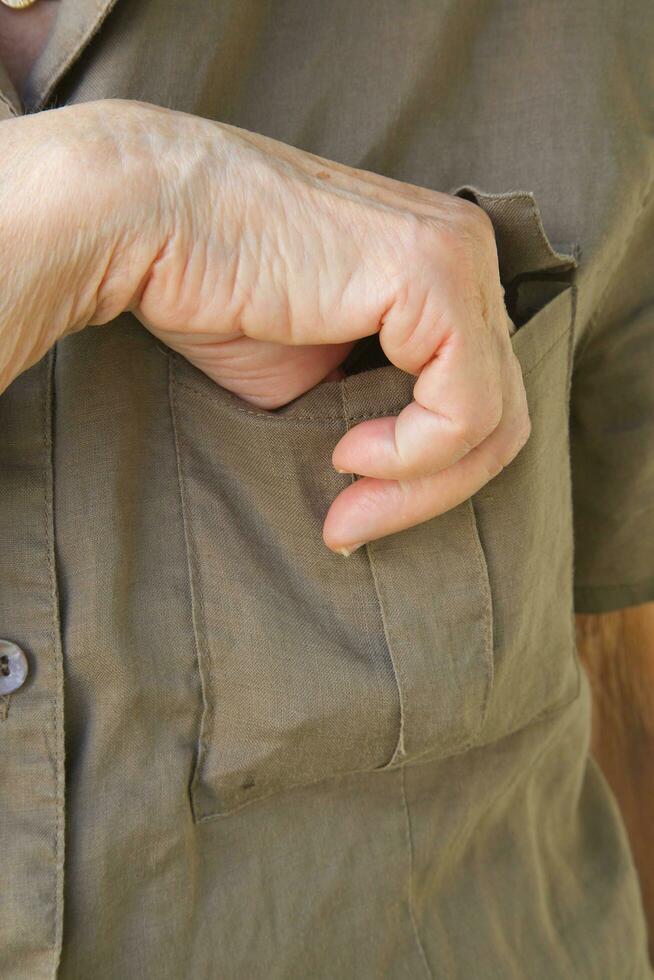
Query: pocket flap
{"points": [[523, 247]]}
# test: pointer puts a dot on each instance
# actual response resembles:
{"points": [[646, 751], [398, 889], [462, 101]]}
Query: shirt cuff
{"points": [[609, 598]]}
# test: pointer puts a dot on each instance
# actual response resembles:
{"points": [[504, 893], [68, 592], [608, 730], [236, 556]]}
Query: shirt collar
{"points": [[76, 23], [9, 100]]}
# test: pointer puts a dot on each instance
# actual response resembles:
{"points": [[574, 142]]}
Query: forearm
{"points": [[71, 248], [618, 652]]}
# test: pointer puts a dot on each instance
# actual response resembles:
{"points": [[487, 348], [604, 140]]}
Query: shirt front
{"points": [[236, 754]]}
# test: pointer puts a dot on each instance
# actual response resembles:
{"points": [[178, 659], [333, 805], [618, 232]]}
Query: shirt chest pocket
{"points": [[419, 645]]}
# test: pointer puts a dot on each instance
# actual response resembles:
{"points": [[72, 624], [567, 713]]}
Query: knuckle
{"points": [[472, 222], [481, 225], [432, 242], [405, 493], [474, 429], [494, 411], [444, 242], [454, 258], [493, 466], [516, 439], [524, 432], [430, 247]]}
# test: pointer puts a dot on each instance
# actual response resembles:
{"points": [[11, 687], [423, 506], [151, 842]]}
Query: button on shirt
{"points": [[237, 755], [13, 667]]}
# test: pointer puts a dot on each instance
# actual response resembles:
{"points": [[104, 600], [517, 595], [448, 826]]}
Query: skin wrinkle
{"points": [[398, 142], [421, 224], [408, 321]]}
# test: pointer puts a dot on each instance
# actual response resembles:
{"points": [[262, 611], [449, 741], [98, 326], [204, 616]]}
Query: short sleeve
{"points": [[612, 436]]}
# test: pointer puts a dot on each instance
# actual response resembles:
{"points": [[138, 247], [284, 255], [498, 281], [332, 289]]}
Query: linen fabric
{"points": [[238, 755]]}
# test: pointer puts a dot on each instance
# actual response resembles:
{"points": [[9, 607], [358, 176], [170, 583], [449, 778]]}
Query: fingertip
{"points": [[335, 533], [347, 550], [337, 462]]}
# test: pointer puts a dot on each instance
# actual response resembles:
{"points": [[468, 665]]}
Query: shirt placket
{"points": [[32, 747], [31, 663]]}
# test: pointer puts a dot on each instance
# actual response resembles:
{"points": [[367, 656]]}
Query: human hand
{"points": [[262, 265], [277, 260]]}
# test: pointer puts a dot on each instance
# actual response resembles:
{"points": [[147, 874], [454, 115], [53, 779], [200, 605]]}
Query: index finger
{"points": [[458, 401]]}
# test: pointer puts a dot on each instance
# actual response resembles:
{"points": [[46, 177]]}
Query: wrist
{"points": [[116, 222], [77, 230]]}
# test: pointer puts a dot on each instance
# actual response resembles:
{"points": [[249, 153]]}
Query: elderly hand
{"points": [[263, 264]]}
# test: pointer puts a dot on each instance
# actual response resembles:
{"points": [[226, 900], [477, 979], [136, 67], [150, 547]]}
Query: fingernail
{"points": [[342, 471], [346, 552]]}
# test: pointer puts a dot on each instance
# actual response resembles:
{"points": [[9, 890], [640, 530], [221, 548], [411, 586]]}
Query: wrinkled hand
{"points": [[271, 262]]}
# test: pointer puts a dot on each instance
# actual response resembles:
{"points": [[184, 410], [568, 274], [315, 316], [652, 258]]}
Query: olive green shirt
{"points": [[237, 755]]}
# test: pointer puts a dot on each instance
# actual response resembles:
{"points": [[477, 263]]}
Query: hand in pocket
{"points": [[273, 262]]}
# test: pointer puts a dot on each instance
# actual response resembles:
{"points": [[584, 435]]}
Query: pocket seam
{"points": [[298, 419], [561, 337], [399, 757], [336, 419], [488, 628], [422, 759], [566, 334], [197, 602], [457, 748], [398, 751], [432, 754], [555, 709]]}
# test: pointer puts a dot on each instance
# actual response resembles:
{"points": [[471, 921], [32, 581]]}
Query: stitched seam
{"points": [[552, 710], [453, 750], [197, 605], [535, 213], [55, 637], [532, 367], [489, 650], [565, 700], [470, 740], [368, 627], [410, 845], [281, 420], [300, 418], [217, 814], [399, 747], [571, 580], [555, 709], [458, 746], [434, 754], [563, 258]]}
